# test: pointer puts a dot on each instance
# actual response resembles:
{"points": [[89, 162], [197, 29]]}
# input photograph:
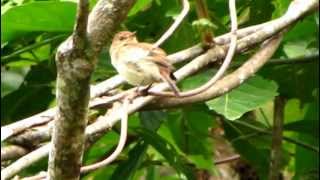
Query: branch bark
{"points": [[76, 59], [74, 68], [275, 163]]}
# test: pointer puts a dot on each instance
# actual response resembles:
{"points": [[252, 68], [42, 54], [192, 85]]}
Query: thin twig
{"points": [[24, 162], [121, 143], [80, 29], [228, 159], [178, 20], [7, 58]]}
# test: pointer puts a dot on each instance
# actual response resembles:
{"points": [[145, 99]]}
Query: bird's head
{"points": [[124, 36]]}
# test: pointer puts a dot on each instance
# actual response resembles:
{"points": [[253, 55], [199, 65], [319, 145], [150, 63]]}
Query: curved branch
{"points": [[167, 34], [121, 143]]}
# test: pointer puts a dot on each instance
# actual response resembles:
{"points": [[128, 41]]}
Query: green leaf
{"points": [[48, 16], [260, 11], [152, 119], [250, 95], [11, 79], [309, 127], [203, 23], [298, 48], [189, 129], [293, 79], [104, 68], [305, 30], [167, 151], [202, 162], [281, 7], [196, 80], [127, 169], [307, 162], [140, 5], [102, 173], [101, 147], [33, 96], [257, 156]]}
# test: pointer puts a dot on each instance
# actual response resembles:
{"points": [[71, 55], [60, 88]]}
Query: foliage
{"points": [[177, 141]]}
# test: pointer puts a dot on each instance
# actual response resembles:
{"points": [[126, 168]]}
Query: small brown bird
{"points": [[140, 63]]}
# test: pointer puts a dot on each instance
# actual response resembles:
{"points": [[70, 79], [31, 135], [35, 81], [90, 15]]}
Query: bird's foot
{"points": [[143, 91]]}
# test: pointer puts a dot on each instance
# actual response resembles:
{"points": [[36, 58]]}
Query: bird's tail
{"points": [[170, 79]]}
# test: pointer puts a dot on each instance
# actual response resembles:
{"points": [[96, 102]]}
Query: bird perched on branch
{"points": [[140, 63]]}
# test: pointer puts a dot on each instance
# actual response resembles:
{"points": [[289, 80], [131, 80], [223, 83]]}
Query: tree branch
{"points": [[115, 81], [173, 27], [275, 156], [75, 61], [74, 68]]}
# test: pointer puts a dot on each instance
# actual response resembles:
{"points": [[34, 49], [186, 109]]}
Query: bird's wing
{"points": [[158, 56]]}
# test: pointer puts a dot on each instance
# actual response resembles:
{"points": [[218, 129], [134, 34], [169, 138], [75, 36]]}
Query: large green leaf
{"points": [[11, 79], [48, 16], [309, 127], [127, 169], [102, 147], [140, 5], [307, 162], [250, 95], [256, 155], [152, 119], [187, 126], [167, 150], [293, 79], [33, 96], [281, 7], [189, 130]]}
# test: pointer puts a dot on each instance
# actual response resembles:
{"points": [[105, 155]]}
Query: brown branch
{"points": [[24, 162], [12, 152], [228, 159], [80, 28], [205, 32], [75, 60], [74, 68], [275, 156]]}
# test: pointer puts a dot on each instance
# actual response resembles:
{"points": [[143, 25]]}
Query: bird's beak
{"points": [[134, 33]]}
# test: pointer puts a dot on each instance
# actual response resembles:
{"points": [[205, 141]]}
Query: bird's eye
{"points": [[122, 38]]}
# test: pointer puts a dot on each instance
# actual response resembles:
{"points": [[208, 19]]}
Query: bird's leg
{"points": [[143, 91]]}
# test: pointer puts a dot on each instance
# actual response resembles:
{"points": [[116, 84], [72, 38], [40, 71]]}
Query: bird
{"points": [[140, 63]]}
